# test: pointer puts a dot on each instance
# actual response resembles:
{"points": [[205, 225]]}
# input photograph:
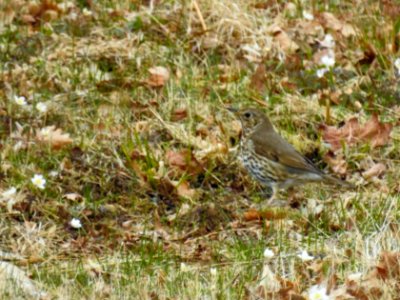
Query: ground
{"points": [[120, 176]]}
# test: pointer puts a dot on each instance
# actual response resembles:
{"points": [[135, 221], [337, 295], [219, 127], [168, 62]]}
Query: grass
{"points": [[151, 171]]}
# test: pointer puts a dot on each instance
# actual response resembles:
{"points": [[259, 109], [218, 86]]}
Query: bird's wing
{"points": [[273, 147]]}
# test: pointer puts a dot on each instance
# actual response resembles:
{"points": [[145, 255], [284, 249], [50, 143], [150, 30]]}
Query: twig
{"points": [[200, 15]]}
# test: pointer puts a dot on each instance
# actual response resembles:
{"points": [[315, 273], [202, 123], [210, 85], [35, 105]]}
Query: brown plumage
{"points": [[272, 160]]}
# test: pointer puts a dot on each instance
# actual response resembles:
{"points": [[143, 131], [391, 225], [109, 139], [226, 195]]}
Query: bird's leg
{"points": [[275, 192], [272, 198]]}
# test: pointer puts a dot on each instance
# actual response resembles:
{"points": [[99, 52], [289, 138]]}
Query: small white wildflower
{"points": [[86, 12], [328, 60], [318, 292], [213, 271], [304, 256], [397, 65], [42, 107], [45, 132], [321, 72], [20, 100], [38, 181], [328, 41], [72, 16], [268, 253], [75, 223], [53, 173], [307, 15], [184, 267], [9, 194]]}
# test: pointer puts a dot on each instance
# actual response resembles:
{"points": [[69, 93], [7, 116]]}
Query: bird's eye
{"points": [[247, 115]]}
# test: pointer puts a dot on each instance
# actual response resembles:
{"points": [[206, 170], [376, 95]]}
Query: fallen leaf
{"points": [[373, 131], [258, 79], [179, 114], [389, 265], [375, 171], [184, 190], [158, 76], [272, 214], [183, 162], [329, 21], [336, 163], [55, 137], [72, 196], [378, 133], [285, 42]]}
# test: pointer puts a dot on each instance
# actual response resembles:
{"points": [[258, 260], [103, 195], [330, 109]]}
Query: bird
{"points": [[270, 159]]}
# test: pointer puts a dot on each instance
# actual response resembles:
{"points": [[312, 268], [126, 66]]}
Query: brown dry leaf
{"points": [[389, 265], [179, 114], [184, 190], [372, 286], [310, 28], [336, 163], [378, 133], [258, 79], [285, 42], [72, 196], [46, 11], [373, 131], [375, 171], [183, 162], [55, 137], [158, 76], [371, 289], [329, 21], [348, 30], [253, 214]]}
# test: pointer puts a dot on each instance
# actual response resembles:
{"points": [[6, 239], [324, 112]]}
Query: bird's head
{"points": [[252, 119]]}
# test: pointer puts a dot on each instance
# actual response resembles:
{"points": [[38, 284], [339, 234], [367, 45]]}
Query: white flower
{"points": [[75, 223], [72, 16], [304, 256], [318, 292], [53, 173], [42, 107], [397, 65], [307, 15], [328, 60], [9, 194], [321, 72], [45, 132], [328, 41], [86, 12], [213, 271], [268, 253], [184, 267], [20, 100], [38, 181]]}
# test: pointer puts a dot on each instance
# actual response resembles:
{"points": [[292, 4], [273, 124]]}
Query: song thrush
{"points": [[270, 159]]}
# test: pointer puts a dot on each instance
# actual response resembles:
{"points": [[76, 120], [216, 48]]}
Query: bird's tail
{"points": [[336, 181]]}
